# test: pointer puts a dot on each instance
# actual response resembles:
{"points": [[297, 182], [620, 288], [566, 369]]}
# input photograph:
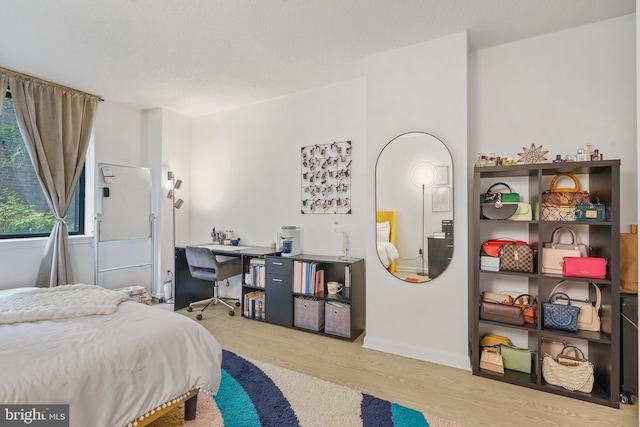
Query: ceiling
{"points": [[198, 57]]}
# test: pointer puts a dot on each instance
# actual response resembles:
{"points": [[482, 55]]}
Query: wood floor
{"points": [[449, 393]]}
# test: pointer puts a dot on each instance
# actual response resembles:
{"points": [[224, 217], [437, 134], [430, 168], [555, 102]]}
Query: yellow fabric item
{"points": [[490, 340]]}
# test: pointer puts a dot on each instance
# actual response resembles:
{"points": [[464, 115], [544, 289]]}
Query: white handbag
{"points": [[553, 258], [588, 318], [572, 373]]}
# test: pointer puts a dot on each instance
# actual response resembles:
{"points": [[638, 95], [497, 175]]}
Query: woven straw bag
{"points": [[571, 373]]}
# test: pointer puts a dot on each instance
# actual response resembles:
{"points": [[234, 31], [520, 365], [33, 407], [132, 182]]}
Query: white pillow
{"points": [[383, 229]]}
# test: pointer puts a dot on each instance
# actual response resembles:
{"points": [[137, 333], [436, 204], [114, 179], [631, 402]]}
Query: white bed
{"points": [[110, 368]]}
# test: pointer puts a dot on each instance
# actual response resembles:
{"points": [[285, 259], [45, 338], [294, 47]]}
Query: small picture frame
{"points": [[442, 175], [440, 199]]}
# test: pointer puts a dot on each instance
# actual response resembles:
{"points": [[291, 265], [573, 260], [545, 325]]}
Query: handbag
{"points": [[588, 267], [556, 196], [525, 301], [560, 316], [516, 359], [514, 257], [528, 306], [494, 206], [523, 212], [501, 313], [558, 213], [588, 318], [497, 209], [553, 259], [571, 373], [629, 261], [492, 340], [590, 212], [559, 204], [555, 237], [491, 360], [492, 247], [490, 196], [499, 298]]}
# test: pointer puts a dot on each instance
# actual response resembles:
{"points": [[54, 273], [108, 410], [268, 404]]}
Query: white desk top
{"points": [[225, 248]]}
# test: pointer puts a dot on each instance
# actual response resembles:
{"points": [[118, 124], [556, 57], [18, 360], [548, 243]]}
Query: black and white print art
{"points": [[326, 178]]}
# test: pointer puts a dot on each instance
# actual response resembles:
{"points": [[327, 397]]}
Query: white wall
{"points": [[420, 88], [246, 169], [561, 91]]}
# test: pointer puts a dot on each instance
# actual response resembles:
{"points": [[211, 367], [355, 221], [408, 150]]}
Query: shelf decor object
{"points": [[326, 178], [532, 155]]}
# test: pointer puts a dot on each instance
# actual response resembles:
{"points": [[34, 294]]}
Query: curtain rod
{"points": [[15, 73]]}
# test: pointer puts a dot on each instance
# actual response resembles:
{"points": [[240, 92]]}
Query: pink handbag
{"points": [[589, 267]]}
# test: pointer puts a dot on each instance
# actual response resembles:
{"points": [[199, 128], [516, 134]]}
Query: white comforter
{"points": [[387, 253], [59, 303], [109, 368]]}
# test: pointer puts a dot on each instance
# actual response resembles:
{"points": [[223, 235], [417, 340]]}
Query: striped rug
{"points": [[257, 394]]}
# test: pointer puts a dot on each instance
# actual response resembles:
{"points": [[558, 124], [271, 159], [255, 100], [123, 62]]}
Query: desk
{"points": [[188, 290]]}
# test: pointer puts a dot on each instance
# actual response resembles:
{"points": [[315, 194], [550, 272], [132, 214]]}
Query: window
{"points": [[24, 211]]}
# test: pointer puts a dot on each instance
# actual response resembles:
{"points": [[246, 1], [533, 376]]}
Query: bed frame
{"points": [[382, 216], [190, 402]]}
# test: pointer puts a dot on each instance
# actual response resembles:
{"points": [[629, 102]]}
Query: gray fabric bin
{"points": [[337, 319], [308, 313]]}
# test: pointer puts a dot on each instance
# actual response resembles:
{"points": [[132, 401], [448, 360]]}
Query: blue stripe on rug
{"points": [[376, 412], [403, 416], [269, 402], [234, 404]]}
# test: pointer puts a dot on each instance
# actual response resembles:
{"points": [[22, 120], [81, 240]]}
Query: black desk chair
{"points": [[204, 265]]}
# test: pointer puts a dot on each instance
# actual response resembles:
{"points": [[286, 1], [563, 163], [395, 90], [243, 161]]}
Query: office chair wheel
{"points": [[237, 303], [232, 313], [199, 317], [189, 309]]}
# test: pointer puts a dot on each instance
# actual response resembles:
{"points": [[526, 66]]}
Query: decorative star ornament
{"points": [[532, 155]]}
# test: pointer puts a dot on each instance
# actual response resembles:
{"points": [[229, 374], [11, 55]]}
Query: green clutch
{"points": [[516, 359]]}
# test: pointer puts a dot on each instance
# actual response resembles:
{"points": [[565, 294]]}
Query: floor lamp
{"points": [[175, 204], [423, 175]]}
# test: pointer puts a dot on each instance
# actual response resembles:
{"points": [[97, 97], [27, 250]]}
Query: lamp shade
{"points": [[424, 174]]}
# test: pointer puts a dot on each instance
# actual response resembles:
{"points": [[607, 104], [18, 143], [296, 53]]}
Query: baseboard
{"points": [[428, 355]]}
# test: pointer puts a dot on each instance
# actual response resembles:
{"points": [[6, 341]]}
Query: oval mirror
{"points": [[414, 207]]}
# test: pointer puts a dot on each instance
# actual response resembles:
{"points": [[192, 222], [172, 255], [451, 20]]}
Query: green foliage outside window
{"points": [[17, 217], [24, 211]]}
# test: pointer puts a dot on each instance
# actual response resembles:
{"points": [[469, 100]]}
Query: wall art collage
{"points": [[326, 178]]}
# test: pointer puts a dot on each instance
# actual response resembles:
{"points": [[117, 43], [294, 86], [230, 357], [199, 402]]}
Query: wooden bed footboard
{"points": [[190, 403]]}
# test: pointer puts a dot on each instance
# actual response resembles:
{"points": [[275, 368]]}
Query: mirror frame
{"points": [[446, 207]]}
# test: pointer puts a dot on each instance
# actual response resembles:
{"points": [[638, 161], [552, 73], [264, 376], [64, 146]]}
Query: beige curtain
{"points": [[56, 124], [4, 80]]}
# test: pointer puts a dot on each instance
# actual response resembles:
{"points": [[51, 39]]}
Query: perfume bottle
{"points": [[345, 247]]}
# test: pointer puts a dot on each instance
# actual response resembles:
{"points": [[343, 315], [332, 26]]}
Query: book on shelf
{"points": [[257, 269], [304, 277], [254, 305], [347, 282], [297, 276], [439, 234], [319, 290]]}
